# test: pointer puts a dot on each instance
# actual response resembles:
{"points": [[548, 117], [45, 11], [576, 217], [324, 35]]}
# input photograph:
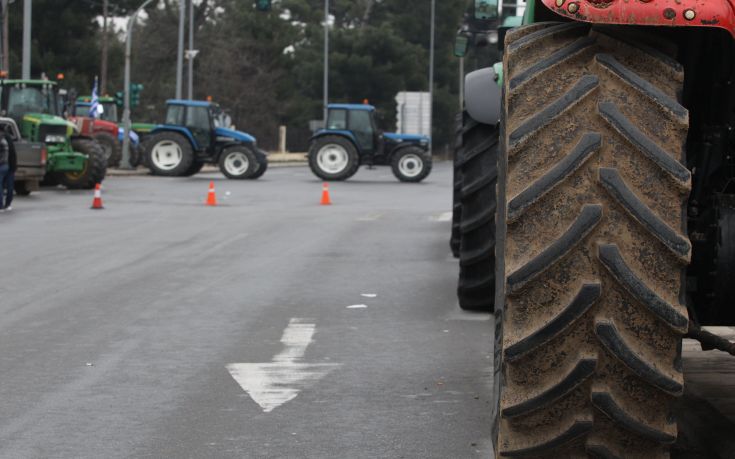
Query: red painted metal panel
{"points": [[699, 13]]}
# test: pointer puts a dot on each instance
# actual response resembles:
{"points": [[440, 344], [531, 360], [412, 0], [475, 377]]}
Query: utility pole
{"points": [[6, 35], [192, 53], [26, 73], [431, 72], [326, 60], [3, 48], [180, 55], [103, 70], [125, 163], [461, 84]]}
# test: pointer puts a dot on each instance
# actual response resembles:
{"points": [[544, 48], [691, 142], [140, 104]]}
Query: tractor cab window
{"points": [[31, 99], [337, 120], [175, 115], [110, 113], [361, 124], [198, 122]]}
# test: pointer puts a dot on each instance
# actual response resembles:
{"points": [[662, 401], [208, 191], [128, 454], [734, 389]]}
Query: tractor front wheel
{"points": [[238, 163], [94, 170], [411, 164], [333, 158], [168, 154], [262, 165]]}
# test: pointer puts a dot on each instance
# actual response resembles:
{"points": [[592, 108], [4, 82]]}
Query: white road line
{"points": [[357, 306], [270, 385], [444, 217]]}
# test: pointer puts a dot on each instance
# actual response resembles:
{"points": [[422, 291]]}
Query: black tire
{"points": [[236, 157], [343, 145], [111, 147], [478, 169], [456, 187], [195, 168], [22, 188], [263, 165], [178, 165], [591, 246], [94, 170], [411, 164]]}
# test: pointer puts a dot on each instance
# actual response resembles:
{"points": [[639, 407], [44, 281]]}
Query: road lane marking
{"points": [[369, 295], [357, 306], [444, 217], [273, 384]]}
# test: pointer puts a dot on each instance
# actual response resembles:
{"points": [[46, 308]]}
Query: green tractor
{"points": [[74, 161]]}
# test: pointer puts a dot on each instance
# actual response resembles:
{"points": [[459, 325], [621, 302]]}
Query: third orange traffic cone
{"points": [[325, 195], [97, 202], [212, 196]]}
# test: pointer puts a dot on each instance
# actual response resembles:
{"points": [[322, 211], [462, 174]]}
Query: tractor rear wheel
{"points": [[262, 165], [411, 164], [194, 169], [478, 169], [111, 148], [94, 170], [168, 154], [592, 246], [333, 158], [238, 163], [456, 187]]}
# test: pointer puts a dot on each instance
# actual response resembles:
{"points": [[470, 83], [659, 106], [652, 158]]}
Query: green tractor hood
{"points": [[30, 126]]}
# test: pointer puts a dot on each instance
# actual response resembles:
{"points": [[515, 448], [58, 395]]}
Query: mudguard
{"points": [[482, 96], [699, 13]]}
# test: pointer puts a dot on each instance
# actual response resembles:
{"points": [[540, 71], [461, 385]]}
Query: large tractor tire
{"points": [[94, 170], [239, 162], [333, 158], [194, 168], [411, 164], [478, 169], [111, 148], [263, 165], [168, 154], [592, 246], [456, 187]]}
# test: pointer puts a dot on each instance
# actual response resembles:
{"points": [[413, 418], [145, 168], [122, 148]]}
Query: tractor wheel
{"points": [[22, 188], [411, 164], [263, 165], [457, 187], [238, 162], [592, 246], [478, 169], [168, 154], [333, 158], [94, 170], [194, 168], [111, 147]]}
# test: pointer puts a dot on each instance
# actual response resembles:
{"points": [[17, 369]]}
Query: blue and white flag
{"points": [[96, 109]]}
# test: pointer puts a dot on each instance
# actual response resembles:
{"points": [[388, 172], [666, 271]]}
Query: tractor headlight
{"points": [[55, 139]]}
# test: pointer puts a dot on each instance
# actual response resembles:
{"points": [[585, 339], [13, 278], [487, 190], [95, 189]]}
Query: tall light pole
{"points": [[191, 53], [180, 55], [103, 70], [125, 163], [326, 59], [26, 67], [431, 72]]}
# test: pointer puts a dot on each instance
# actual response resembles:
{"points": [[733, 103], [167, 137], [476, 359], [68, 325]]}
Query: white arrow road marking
{"points": [[445, 217], [270, 385]]}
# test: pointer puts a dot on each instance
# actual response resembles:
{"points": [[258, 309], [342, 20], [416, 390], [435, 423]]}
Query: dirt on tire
{"points": [[478, 172], [592, 246]]}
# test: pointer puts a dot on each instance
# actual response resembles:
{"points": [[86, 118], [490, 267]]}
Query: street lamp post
{"points": [[180, 55], [26, 66], [125, 164], [326, 59], [431, 73]]}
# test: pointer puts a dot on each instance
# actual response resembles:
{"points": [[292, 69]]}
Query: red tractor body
{"points": [[89, 127], [684, 13]]}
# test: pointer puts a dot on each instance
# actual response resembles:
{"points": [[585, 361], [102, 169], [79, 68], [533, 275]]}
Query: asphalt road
{"points": [[120, 329]]}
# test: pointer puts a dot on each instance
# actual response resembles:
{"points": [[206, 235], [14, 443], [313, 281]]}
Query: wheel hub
{"points": [[332, 158], [166, 155], [410, 165]]}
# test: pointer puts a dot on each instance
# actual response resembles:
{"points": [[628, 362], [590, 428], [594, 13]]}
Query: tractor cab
{"points": [[109, 108], [351, 138], [199, 132]]}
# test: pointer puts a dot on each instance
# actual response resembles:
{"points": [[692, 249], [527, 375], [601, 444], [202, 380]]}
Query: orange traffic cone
{"points": [[97, 203], [212, 196], [325, 195]]}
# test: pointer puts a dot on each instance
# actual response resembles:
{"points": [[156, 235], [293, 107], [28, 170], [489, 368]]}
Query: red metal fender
{"points": [[697, 13], [89, 126]]}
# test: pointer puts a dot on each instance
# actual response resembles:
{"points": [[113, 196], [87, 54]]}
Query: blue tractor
{"points": [[351, 139], [197, 133]]}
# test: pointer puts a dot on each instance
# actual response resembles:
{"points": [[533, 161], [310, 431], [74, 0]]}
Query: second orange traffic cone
{"points": [[97, 202], [325, 195], [212, 196]]}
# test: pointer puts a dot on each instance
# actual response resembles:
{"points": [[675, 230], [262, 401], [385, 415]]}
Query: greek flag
{"points": [[95, 110]]}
